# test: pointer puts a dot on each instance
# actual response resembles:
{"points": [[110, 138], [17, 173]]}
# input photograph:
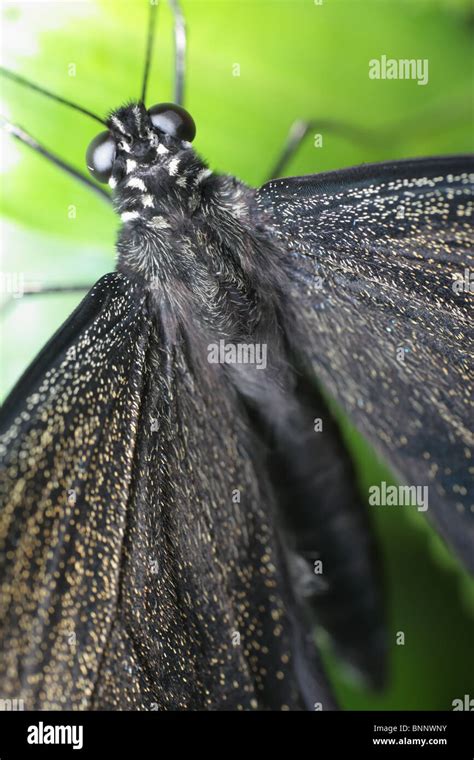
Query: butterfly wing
{"points": [[378, 257], [139, 564], [207, 616], [67, 443]]}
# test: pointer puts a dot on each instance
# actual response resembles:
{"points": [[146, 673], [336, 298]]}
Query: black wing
{"points": [[64, 496], [379, 257], [139, 564]]}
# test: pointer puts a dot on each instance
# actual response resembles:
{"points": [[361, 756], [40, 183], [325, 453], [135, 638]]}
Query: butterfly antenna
{"points": [[19, 134], [179, 27], [32, 86], [149, 46], [33, 289], [301, 128]]}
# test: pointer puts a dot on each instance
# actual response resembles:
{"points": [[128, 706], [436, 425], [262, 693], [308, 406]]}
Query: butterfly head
{"points": [[140, 139]]}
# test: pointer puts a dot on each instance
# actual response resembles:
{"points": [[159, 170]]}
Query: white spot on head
{"points": [[128, 216], [137, 115], [147, 201], [160, 222], [202, 175], [136, 182], [162, 150], [173, 167], [117, 123], [131, 165]]}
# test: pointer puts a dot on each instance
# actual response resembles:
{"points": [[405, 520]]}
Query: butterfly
{"points": [[167, 495]]}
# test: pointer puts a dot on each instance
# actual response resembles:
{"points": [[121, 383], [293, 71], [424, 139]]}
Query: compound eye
{"points": [[100, 156], [173, 120]]}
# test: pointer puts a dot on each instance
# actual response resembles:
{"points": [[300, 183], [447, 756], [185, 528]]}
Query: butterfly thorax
{"points": [[185, 232]]}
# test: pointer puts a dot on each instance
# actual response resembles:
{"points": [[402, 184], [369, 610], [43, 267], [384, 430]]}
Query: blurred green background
{"points": [[296, 58]]}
